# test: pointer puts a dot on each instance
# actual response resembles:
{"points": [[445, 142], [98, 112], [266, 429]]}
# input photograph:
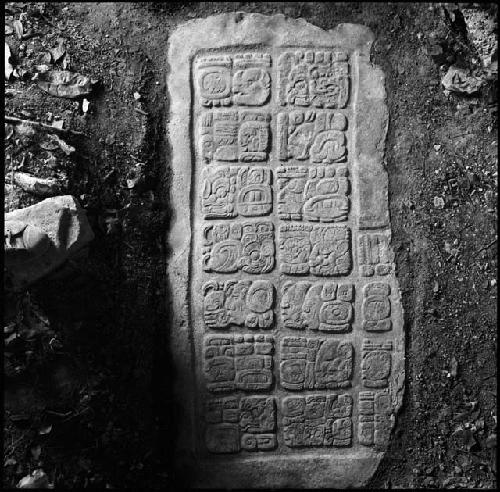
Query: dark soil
{"points": [[88, 376]]}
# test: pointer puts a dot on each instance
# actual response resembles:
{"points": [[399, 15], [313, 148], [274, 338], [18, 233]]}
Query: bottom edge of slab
{"points": [[313, 471]]}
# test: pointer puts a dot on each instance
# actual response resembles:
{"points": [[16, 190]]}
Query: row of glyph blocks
{"points": [[303, 249], [245, 362], [306, 136], [317, 194], [304, 305], [304, 78], [234, 424]]}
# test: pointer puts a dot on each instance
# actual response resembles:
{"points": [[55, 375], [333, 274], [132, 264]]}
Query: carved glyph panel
{"points": [[376, 364], [242, 362], [246, 246], [317, 420], [377, 307], [374, 423], [374, 254], [315, 363], [234, 424], [242, 79], [288, 327], [239, 303], [234, 136], [313, 78], [319, 306], [231, 191], [318, 194], [313, 137], [323, 251]]}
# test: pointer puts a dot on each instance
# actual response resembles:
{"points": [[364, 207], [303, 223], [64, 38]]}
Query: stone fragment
{"points": [[8, 66], [59, 51], [459, 80], [18, 28], [85, 105], [42, 187], [40, 238], [287, 333], [37, 480], [66, 148], [438, 202], [63, 83]]}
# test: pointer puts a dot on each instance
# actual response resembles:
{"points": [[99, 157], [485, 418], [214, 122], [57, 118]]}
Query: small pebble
{"points": [[438, 202], [58, 124]]}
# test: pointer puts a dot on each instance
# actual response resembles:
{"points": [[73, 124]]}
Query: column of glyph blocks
{"points": [[238, 250], [314, 248]]}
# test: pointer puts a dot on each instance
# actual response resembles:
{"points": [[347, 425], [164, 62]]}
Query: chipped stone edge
{"points": [[227, 30]]}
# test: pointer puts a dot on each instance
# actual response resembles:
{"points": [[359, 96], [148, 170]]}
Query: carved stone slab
{"points": [[287, 335]]}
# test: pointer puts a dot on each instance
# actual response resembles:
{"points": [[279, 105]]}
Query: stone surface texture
{"points": [[287, 333], [65, 230]]}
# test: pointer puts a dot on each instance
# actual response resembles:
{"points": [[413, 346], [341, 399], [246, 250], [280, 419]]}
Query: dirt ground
{"points": [[87, 375]]}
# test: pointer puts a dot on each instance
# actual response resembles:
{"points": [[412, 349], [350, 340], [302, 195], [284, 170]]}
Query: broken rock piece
{"points": [[42, 187], [40, 238], [67, 149], [459, 80], [37, 480], [63, 83], [8, 67], [18, 28], [59, 51]]}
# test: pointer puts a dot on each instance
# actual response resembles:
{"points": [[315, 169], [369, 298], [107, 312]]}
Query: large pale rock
{"points": [[287, 333], [459, 80], [40, 238]]}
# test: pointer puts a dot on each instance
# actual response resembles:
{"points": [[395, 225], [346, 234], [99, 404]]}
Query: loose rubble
{"points": [[63, 83]]}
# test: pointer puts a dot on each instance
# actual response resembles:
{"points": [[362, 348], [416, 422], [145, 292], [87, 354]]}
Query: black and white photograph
{"points": [[250, 245]]}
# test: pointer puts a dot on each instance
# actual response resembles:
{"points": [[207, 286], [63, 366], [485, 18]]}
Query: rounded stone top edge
{"points": [[363, 33], [238, 26]]}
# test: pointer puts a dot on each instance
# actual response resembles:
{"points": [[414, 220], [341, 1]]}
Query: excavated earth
{"points": [[88, 395]]}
